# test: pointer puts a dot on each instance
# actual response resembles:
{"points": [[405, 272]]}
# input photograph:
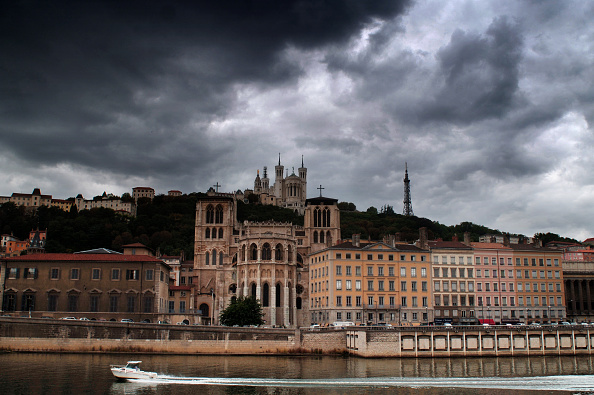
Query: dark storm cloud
{"points": [[114, 84], [480, 75]]}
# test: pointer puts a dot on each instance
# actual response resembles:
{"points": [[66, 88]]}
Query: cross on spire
{"points": [[217, 185], [320, 188]]}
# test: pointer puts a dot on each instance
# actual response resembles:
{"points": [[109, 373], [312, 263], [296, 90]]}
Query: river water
{"points": [[89, 374]]}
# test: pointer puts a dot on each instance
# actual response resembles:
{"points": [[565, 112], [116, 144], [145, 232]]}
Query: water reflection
{"points": [[69, 374]]}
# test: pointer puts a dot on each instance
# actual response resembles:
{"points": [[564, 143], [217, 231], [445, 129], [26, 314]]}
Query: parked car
{"points": [[163, 322], [84, 319], [68, 318], [126, 320]]}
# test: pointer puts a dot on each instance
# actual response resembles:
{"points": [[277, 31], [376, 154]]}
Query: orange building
{"points": [[370, 283]]}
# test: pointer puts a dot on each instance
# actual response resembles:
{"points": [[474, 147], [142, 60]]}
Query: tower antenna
{"points": [[408, 210]]}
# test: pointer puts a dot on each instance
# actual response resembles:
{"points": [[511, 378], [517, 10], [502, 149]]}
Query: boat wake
{"points": [[552, 383]]}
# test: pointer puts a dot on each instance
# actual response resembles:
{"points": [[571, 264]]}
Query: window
{"points": [[74, 274], [30, 273], [13, 273], [115, 274], [380, 271], [358, 285], [414, 301], [94, 303], [357, 301], [113, 303], [96, 274], [370, 300], [338, 284], [349, 301], [369, 257], [73, 302], [131, 303], [403, 301], [357, 256], [357, 270], [391, 286], [402, 272], [171, 306], [348, 256], [370, 285], [52, 302], [380, 257], [148, 304], [413, 286], [436, 286], [132, 274], [182, 306], [338, 255], [423, 272], [403, 285], [339, 270], [348, 269], [54, 273], [370, 270], [149, 274], [413, 272], [392, 300], [424, 286], [380, 285], [380, 301], [391, 271], [349, 285]]}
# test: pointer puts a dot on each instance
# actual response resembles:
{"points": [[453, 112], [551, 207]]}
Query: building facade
{"points": [[370, 283], [267, 260], [100, 286]]}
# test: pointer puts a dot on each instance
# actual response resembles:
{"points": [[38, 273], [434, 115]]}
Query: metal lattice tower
{"points": [[408, 210]]}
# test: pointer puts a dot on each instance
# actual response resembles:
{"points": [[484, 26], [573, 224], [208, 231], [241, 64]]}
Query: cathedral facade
{"points": [[267, 260], [288, 190]]}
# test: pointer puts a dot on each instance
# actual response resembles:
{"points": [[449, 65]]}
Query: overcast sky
{"points": [[489, 102]]}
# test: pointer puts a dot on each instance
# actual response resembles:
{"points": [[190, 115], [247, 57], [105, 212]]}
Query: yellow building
{"points": [[370, 283]]}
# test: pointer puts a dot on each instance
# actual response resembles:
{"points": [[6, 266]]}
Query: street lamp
{"points": [[489, 313], [427, 314]]}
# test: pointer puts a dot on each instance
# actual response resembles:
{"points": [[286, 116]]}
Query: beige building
{"points": [[267, 260], [99, 286], [105, 201], [143, 192]]}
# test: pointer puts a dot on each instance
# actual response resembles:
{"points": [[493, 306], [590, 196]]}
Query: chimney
{"points": [[389, 240], [455, 237], [424, 244], [467, 238], [506, 240], [356, 240], [397, 236]]}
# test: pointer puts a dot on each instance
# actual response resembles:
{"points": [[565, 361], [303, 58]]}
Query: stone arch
{"points": [[210, 214], [204, 310], [278, 294], [253, 291], [278, 252], [315, 236], [207, 233], [253, 252], [219, 214], [266, 252], [266, 295]]}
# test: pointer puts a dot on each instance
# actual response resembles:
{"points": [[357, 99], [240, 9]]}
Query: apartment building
{"points": [[370, 283], [453, 281], [539, 282]]}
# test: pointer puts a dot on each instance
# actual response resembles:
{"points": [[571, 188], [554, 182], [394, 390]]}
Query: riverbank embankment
{"points": [[43, 335]]}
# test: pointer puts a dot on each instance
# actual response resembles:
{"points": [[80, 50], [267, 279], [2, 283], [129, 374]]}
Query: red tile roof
{"points": [[85, 258]]}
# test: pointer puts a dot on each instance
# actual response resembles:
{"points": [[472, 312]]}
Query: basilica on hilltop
{"points": [[288, 190]]}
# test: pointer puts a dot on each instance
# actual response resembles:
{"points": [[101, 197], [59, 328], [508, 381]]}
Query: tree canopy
{"points": [[242, 311]]}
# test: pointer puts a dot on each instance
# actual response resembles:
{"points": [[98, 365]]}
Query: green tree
{"points": [[242, 311]]}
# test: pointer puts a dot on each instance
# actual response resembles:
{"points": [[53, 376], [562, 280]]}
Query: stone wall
{"points": [[456, 342], [42, 335]]}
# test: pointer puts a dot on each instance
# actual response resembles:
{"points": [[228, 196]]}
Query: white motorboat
{"points": [[131, 371]]}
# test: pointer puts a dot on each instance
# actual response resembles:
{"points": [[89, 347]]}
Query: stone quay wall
{"points": [[42, 335], [472, 341]]}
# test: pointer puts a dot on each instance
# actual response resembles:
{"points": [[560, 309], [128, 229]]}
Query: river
{"points": [[22, 373]]}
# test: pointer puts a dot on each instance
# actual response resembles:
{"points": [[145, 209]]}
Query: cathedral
{"points": [[267, 260], [288, 191]]}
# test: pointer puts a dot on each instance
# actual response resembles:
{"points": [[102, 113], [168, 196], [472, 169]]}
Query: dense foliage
{"points": [[167, 225], [242, 311]]}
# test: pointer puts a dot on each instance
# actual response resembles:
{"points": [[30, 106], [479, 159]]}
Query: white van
{"points": [[342, 324]]}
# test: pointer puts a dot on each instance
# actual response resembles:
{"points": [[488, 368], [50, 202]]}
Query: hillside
{"points": [[167, 225]]}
